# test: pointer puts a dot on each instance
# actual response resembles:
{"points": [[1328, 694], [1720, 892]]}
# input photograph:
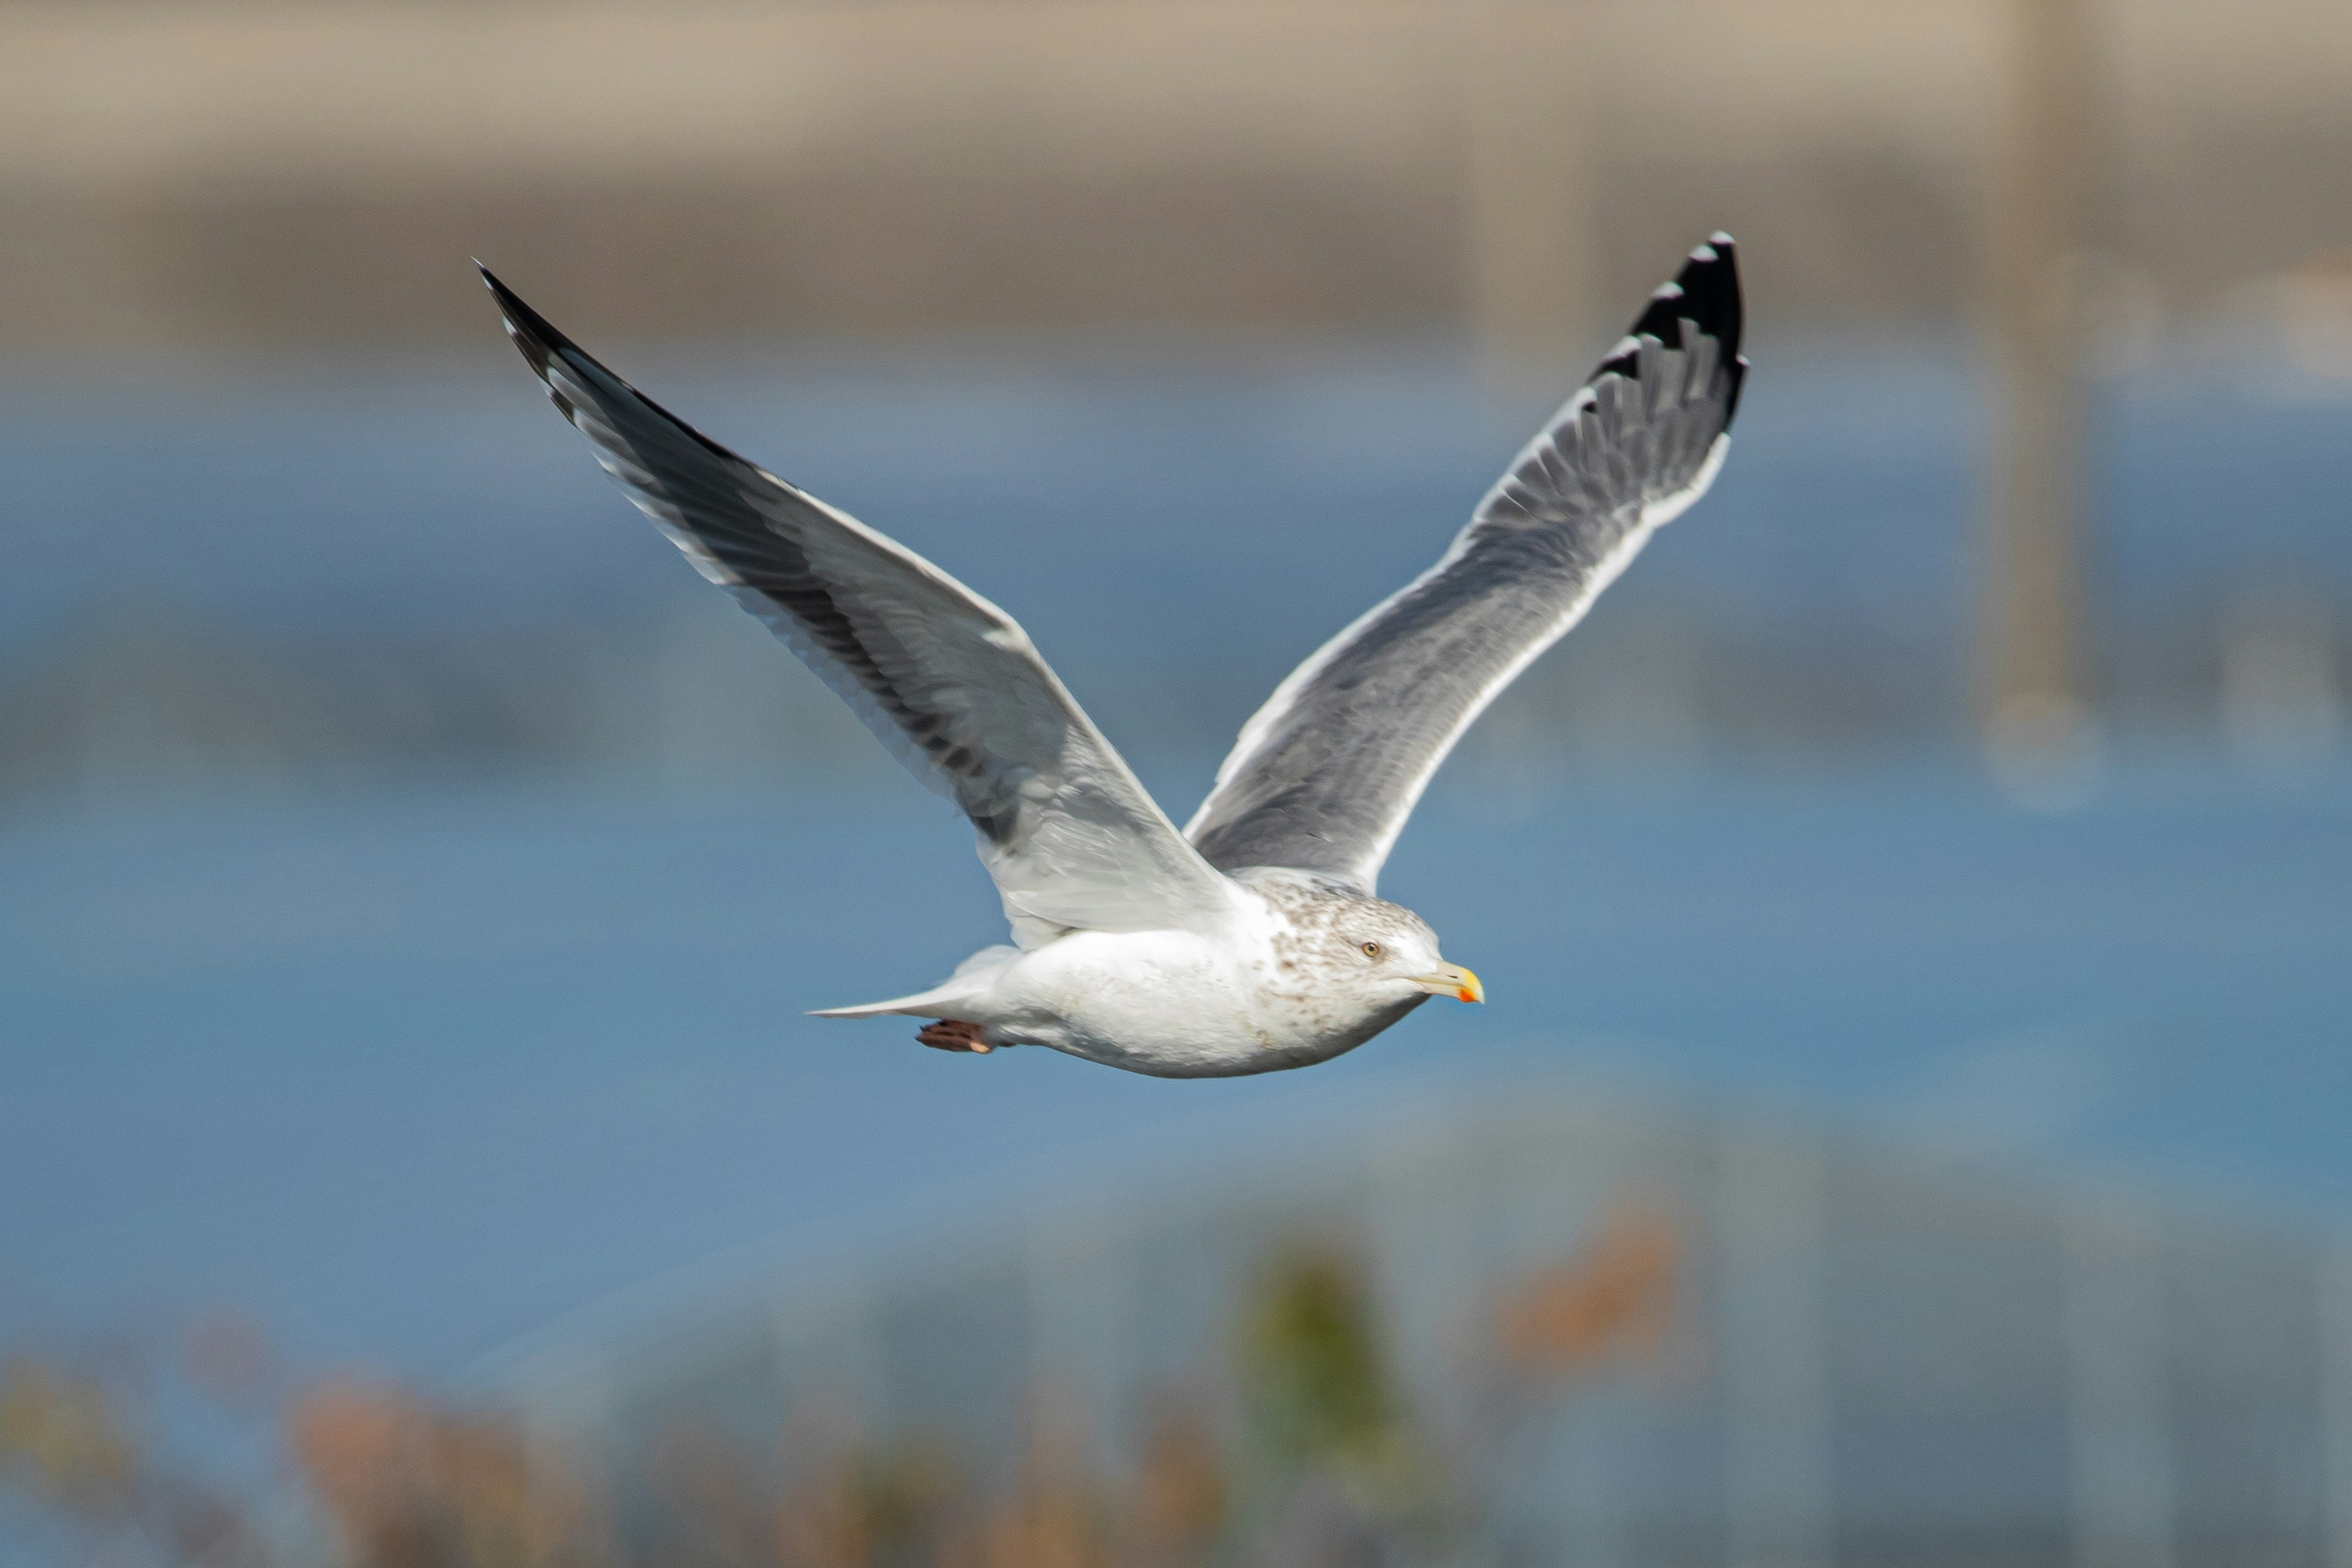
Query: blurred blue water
{"points": [[410, 1072], [406, 1076], [1132, 517]]}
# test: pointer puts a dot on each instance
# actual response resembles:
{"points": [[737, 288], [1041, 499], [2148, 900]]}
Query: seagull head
{"points": [[1395, 952]]}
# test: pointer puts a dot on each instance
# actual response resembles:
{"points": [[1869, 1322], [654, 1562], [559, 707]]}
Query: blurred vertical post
{"points": [[1526, 92], [2038, 726], [2118, 1365], [1779, 1510], [2335, 1285]]}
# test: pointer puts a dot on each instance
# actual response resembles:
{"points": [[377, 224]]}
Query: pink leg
{"points": [[955, 1034]]}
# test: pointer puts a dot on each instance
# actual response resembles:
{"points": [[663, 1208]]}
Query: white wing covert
{"points": [[1325, 775], [947, 681]]}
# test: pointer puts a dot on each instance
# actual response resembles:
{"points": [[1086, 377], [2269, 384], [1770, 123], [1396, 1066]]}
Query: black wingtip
{"points": [[581, 374], [1706, 292], [533, 333], [499, 291]]}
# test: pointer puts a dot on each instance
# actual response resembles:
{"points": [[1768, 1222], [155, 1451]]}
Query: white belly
{"points": [[1169, 1003]]}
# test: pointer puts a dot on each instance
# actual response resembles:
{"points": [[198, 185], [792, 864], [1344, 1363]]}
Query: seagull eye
{"points": [[1371, 950]]}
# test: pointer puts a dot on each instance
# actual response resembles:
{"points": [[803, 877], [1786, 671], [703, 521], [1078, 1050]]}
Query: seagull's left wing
{"points": [[947, 681], [1324, 776]]}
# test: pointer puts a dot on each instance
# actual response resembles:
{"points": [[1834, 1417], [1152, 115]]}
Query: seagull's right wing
{"points": [[1325, 774], [946, 679]]}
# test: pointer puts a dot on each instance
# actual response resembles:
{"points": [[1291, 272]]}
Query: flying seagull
{"points": [[1252, 941]]}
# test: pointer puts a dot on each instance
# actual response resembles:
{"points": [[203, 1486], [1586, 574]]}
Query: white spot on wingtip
{"points": [[1669, 291], [1719, 238]]}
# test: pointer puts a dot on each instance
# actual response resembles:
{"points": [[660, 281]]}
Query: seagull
{"points": [[1253, 940]]}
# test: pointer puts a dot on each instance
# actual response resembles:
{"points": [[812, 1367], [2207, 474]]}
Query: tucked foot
{"points": [[955, 1034]]}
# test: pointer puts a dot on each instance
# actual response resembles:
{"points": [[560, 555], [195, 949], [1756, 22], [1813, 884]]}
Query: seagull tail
{"points": [[975, 976], [928, 1004]]}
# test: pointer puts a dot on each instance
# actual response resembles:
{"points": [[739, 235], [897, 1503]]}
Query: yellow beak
{"points": [[1451, 980]]}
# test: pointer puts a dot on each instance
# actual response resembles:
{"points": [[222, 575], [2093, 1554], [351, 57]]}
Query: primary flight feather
{"points": [[1253, 940]]}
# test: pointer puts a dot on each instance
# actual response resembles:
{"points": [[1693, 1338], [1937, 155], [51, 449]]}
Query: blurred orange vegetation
{"points": [[868, 1506], [1310, 1442], [1180, 1499], [1616, 1299], [1059, 1515], [410, 1486], [60, 1433], [80, 1446], [910, 1501]]}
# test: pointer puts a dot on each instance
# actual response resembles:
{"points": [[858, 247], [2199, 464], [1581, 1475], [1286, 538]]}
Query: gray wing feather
{"points": [[947, 681], [1325, 775]]}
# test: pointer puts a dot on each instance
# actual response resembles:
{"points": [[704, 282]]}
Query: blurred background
{"points": [[1911, 1122]]}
